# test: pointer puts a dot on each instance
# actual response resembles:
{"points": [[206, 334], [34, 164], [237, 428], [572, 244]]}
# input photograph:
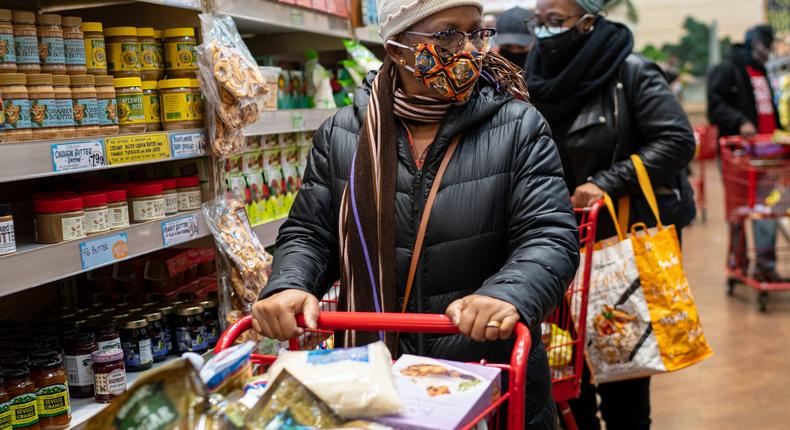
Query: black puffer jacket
{"points": [[501, 226], [635, 114]]}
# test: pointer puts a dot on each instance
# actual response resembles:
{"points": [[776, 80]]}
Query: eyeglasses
{"points": [[454, 40], [553, 24]]}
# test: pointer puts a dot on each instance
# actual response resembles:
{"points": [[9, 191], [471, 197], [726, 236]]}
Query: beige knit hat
{"points": [[398, 15]]}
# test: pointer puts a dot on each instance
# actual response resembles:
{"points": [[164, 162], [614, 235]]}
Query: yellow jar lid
{"points": [[120, 32], [145, 32], [150, 85], [127, 82], [157, 34], [92, 27], [174, 83], [179, 32], [194, 83]]}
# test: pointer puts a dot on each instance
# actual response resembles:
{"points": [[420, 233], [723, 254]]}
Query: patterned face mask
{"points": [[454, 76]]}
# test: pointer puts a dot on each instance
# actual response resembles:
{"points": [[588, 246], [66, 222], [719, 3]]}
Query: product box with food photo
{"points": [[441, 394]]}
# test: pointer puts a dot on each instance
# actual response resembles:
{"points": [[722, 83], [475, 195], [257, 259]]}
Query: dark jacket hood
{"points": [[483, 105]]}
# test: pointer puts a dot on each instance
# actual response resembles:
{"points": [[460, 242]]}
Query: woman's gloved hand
{"points": [[275, 316], [483, 318]]}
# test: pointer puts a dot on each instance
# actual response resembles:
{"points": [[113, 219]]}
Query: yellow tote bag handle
{"points": [[610, 206], [647, 187]]}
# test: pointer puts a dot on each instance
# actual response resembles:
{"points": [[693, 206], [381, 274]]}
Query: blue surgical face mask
{"points": [[544, 32]]}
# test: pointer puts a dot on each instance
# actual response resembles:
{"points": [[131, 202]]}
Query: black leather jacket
{"points": [[501, 226], [636, 114]]}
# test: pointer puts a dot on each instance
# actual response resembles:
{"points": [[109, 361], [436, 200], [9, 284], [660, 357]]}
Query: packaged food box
{"points": [[441, 394]]}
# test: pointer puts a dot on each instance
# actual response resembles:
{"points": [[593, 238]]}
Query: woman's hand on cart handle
{"points": [[586, 194], [275, 316], [483, 318], [748, 129]]}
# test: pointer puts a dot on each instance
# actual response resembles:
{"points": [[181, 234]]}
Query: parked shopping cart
{"points": [[706, 137], [756, 174], [563, 334], [419, 323]]}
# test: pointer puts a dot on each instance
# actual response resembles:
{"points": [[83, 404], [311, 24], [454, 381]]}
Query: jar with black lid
{"points": [[136, 343], [44, 353], [22, 395], [79, 368], [52, 397], [157, 330], [106, 331], [190, 329], [211, 318]]}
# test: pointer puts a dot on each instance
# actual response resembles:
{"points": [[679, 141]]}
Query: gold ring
{"points": [[493, 324]]}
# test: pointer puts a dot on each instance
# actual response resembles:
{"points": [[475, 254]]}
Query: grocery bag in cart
{"points": [[641, 317]]}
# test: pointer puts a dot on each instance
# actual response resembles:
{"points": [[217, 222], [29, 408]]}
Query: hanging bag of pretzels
{"points": [[247, 260], [231, 82]]}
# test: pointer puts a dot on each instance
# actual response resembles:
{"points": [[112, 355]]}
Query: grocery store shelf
{"points": [[84, 409], [289, 121], [54, 6], [369, 34], [270, 17], [267, 233], [34, 159]]}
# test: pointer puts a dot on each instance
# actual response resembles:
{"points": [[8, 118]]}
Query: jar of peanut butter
{"points": [[85, 104], [51, 50], [26, 42], [107, 105], [123, 52], [7, 53], [16, 106]]}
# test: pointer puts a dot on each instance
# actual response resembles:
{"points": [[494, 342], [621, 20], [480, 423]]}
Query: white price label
{"points": [[297, 121], [180, 230], [186, 145], [73, 156]]}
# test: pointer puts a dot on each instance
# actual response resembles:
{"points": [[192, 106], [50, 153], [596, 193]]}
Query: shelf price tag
{"points": [[297, 121], [186, 145], [104, 250], [297, 18], [137, 148], [180, 230], [73, 156]]}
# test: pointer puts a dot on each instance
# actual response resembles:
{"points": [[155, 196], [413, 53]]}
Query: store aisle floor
{"points": [[746, 385]]}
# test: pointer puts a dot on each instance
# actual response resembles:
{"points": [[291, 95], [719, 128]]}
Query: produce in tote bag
{"points": [[641, 317]]}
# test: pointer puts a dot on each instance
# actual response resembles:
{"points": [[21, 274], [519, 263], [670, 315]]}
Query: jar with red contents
{"points": [[146, 202], [96, 213], [79, 367], [109, 374], [118, 208], [189, 195]]}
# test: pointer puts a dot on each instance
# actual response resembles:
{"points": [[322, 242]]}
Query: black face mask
{"points": [[519, 60], [558, 51]]}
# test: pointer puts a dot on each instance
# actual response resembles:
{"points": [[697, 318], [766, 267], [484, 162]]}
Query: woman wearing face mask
{"points": [[500, 243], [604, 104]]}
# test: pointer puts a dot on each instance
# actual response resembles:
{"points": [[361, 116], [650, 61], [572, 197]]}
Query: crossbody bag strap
{"points": [[426, 214]]}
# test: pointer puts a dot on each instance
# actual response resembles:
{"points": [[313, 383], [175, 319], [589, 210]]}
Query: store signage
{"points": [[73, 156], [137, 148], [104, 250], [297, 121], [180, 230], [187, 145]]}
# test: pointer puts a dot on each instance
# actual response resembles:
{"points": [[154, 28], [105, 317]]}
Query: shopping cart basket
{"points": [[756, 175], [417, 323], [563, 333], [706, 137]]}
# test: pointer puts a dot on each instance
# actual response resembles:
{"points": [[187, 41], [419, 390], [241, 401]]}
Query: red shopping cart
{"points": [[756, 175], [706, 137], [564, 331], [418, 323]]}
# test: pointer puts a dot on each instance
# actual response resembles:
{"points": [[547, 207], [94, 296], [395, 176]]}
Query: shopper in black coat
{"points": [[502, 233], [604, 104]]}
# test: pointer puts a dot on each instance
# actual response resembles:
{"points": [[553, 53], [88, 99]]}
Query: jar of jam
{"points": [[109, 374], [211, 318], [79, 368], [18, 361], [107, 335], [157, 330], [180, 58], [189, 194], [190, 329], [51, 50], [26, 42], [5, 407], [52, 393], [95, 51], [136, 343], [146, 201], [123, 52], [7, 56], [167, 325], [22, 398], [41, 354], [74, 45]]}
